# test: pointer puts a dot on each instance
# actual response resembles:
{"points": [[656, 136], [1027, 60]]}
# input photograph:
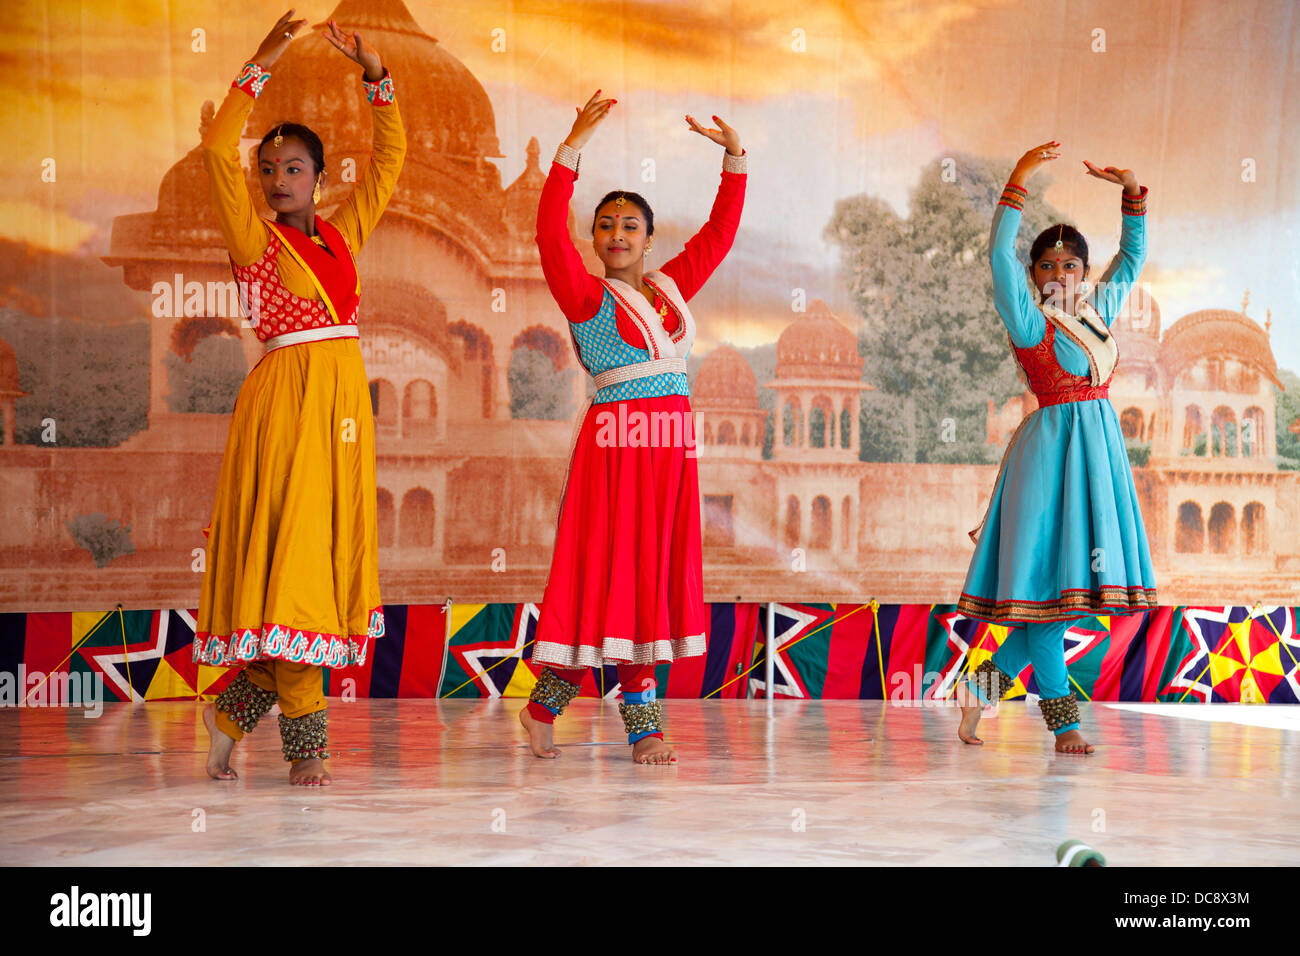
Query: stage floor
{"points": [[819, 782]]}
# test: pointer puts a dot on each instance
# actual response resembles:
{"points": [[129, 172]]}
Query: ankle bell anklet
{"points": [[552, 692], [642, 720], [305, 737], [245, 702], [992, 681], [1060, 711]]}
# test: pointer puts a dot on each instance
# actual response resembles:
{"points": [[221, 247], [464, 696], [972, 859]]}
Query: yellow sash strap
{"points": [[288, 246]]}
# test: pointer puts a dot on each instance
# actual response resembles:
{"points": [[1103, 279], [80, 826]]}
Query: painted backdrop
{"points": [[853, 386]]}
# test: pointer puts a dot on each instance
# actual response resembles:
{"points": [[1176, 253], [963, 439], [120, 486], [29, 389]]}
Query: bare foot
{"points": [[309, 773], [1072, 742], [653, 750], [219, 747], [541, 737], [970, 714]]}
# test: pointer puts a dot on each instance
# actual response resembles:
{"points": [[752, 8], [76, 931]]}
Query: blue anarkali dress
{"points": [[1063, 537]]}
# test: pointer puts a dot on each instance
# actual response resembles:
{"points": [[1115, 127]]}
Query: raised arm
{"points": [[358, 215], [705, 250], [245, 233], [577, 292], [1024, 322], [1117, 281]]}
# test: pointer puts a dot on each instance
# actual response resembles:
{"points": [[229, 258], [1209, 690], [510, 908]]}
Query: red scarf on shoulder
{"points": [[334, 276]]}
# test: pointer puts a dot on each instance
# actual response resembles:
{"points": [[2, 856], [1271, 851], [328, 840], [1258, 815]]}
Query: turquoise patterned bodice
{"points": [[601, 348]]}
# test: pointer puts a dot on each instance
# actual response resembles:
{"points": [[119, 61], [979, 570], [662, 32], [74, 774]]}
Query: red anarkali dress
{"points": [[626, 583]]}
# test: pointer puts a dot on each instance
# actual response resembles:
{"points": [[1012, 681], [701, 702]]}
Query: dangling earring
{"points": [[648, 250], [315, 193]]}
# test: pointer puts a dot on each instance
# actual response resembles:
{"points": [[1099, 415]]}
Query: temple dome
{"points": [[1137, 334], [445, 110], [817, 345], [725, 380], [447, 184], [1140, 314], [1217, 333]]}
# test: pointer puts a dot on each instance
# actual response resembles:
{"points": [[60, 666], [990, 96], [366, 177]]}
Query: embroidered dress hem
{"points": [[619, 650], [1063, 537], [292, 553], [1070, 605], [626, 582], [280, 643]]}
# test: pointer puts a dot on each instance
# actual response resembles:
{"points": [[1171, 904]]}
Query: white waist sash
{"points": [[614, 376], [626, 373], [313, 335]]}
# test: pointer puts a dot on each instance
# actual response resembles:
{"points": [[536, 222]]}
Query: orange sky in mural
{"points": [[111, 91], [838, 97]]}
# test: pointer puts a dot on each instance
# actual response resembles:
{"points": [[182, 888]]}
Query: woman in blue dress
{"points": [[1063, 537]]}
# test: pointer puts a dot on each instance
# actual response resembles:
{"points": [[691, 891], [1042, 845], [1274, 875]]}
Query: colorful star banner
{"points": [[822, 651]]}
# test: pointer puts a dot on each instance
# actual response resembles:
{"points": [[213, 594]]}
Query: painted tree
{"points": [[930, 338], [537, 389]]}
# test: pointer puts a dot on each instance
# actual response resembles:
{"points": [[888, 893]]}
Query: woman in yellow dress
{"points": [[291, 584]]}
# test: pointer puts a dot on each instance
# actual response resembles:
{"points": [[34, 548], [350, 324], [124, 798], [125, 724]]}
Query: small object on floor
{"points": [[1078, 853]]}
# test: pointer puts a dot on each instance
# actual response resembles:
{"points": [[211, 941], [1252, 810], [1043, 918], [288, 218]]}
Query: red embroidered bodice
{"points": [[1052, 384], [274, 309]]}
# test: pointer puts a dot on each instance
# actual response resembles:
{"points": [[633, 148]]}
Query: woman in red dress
{"points": [[626, 584]]}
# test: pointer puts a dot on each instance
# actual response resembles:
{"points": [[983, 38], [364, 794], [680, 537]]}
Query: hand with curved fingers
{"points": [[355, 49], [277, 41], [589, 117], [1113, 174], [1029, 163], [724, 135]]}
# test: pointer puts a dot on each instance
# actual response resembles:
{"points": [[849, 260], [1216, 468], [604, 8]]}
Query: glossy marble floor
{"points": [[833, 782]]}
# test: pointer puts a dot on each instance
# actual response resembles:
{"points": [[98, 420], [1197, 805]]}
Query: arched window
{"points": [[416, 519], [384, 501], [792, 530], [821, 523], [383, 402], [420, 403], [817, 427], [791, 423], [1130, 423], [718, 529], [1223, 430], [1193, 430], [472, 391], [1190, 535], [1254, 530], [1252, 432], [1223, 529]]}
